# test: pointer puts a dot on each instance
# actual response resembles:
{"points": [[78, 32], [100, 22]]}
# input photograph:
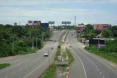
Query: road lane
{"points": [[77, 69], [30, 65], [95, 67]]}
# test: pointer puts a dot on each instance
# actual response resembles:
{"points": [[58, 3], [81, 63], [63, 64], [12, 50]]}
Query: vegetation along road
{"points": [[31, 65]]}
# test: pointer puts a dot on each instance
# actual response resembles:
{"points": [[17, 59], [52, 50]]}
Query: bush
{"points": [[23, 37], [111, 46]]}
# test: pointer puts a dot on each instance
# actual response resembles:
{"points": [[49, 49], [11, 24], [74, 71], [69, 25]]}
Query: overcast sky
{"points": [[86, 11]]}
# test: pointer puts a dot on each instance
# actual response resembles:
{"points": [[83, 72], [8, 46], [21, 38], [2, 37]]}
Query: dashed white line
{"points": [[34, 70], [98, 69], [103, 77], [96, 66], [82, 65], [100, 73], [27, 75], [6, 76]]}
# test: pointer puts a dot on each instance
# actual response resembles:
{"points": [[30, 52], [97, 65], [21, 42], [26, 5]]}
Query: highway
{"points": [[85, 65], [31, 65], [88, 65]]}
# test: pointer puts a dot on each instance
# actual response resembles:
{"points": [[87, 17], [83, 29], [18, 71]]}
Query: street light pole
{"points": [[13, 45], [43, 36], [48, 57], [75, 21], [13, 39], [32, 38], [36, 42]]}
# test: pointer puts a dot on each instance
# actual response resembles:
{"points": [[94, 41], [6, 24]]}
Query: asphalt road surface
{"points": [[88, 65], [31, 65]]}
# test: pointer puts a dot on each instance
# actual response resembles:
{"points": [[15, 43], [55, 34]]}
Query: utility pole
{"points": [[31, 33], [32, 37], [32, 40], [36, 42], [13, 45], [43, 36], [75, 21], [48, 57]]}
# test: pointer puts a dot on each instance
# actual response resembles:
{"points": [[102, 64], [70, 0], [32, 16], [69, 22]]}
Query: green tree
{"points": [[22, 37], [89, 28], [107, 33], [114, 31]]}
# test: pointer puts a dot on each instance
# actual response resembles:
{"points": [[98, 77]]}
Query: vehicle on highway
{"points": [[45, 54]]}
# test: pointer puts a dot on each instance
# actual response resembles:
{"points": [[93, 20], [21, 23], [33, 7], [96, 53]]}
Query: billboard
{"points": [[63, 22], [51, 22], [101, 26], [34, 23], [66, 22], [80, 28], [45, 25], [30, 22], [38, 23]]}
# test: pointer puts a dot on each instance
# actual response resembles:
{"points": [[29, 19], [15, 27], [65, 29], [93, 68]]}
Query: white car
{"points": [[46, 54]]}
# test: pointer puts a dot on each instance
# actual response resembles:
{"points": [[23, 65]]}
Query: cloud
{"points": [[12, 11], [23, 10], [45, 2], [46, 15]]}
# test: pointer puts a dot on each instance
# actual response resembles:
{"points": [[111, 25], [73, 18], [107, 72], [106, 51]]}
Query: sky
{"points": [[86, 11]]}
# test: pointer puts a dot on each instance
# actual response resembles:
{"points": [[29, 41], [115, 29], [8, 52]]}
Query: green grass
{"points": [[111, 56], [66, 35], [43, 44], [71, 58], [50, 72], [4, 65], [58, 52]]}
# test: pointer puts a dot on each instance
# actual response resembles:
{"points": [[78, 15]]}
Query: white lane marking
{"points": [[100, 73], [82, 64], [97, 68], [103, 77], [83, 67], [27, 75], [6, 76], [101, 60]]}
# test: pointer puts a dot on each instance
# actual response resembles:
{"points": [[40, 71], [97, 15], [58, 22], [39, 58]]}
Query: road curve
{"points": [[88, 65]]}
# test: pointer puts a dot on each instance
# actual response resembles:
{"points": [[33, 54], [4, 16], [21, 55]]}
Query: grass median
{"points": [[71, 58], [4, 65], [58, 65], [51, 71]]}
